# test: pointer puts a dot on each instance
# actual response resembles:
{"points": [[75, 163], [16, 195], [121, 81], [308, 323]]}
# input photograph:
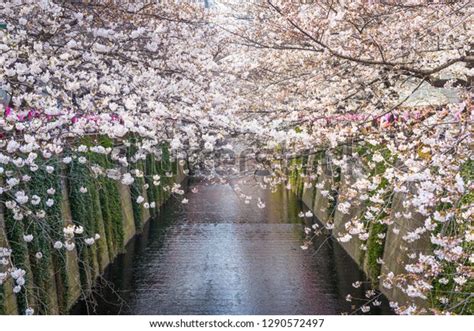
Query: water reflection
{"points": [[218, 255]]}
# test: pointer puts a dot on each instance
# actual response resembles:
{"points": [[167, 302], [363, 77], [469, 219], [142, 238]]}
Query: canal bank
{"points": [[326, 188], [107, 209]]}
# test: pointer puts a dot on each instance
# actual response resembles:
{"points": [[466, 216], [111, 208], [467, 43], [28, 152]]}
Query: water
{"points": [[218, 255]]}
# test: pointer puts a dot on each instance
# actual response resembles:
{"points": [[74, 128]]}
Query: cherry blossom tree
{"points": [[385, 84]]}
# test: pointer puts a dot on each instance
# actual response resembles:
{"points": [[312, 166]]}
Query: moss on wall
{"points": [[462, 300], [377, 231], [375, 248], [41, 290], [136, 190], [84, 211], [44, 233], [20, 257]]}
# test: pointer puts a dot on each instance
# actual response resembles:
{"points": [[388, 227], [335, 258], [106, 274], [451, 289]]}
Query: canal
{"points": [[218, 255]]}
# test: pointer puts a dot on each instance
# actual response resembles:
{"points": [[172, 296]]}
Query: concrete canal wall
{"points": [[57, 280], [326, 186]]}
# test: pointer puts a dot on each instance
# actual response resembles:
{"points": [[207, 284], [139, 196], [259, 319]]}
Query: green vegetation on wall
{"points": [[20, 256], [461, 300], [377, 230], [375, 249], [44, 234], [84, 210], [95, 205], [37, 256]]}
